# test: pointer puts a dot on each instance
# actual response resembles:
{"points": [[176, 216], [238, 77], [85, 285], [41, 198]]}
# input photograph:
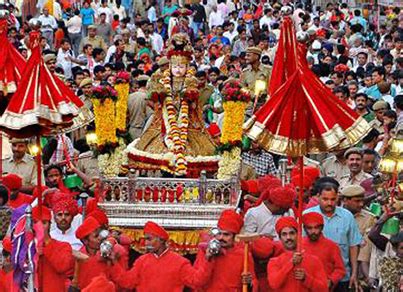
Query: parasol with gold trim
{"points": [[302, 116]]}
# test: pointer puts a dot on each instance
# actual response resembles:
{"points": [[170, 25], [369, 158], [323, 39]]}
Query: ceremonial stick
{"points": [[246, 238], [74, 283]]}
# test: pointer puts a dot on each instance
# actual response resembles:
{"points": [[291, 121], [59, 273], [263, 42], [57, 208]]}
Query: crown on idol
{"points": [[180, 50]]}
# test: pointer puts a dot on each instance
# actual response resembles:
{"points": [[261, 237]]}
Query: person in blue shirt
{"points": [[341, 227], [378, 75], [88, 17], [167, 11], [358, 19], [219, 38]]}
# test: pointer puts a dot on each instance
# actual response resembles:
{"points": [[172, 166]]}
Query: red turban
{"points": [[262, 248], [214, 130], [154, 229], [230, 221], [63, 202], [312, 218], [46, 214], [100, 216], [7, 244], [268, 182], [100, 284], [280, 196], [89, 225], [309, 171], [308, 182], [92, 204], [250, 186], [12, 181], [284, 222]]}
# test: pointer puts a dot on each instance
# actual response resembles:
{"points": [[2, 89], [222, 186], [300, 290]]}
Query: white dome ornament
{"points": [[302, 37]]}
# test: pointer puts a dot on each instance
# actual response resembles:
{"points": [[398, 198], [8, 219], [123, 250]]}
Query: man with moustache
{"points": [[161, 269], [326, 250], [294, 270], [228, 264], [356, 176], [340, 227]]}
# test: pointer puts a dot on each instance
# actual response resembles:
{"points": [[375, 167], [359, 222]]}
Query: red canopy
{"points": [[42, 102], [12, 64], [302, 115]]}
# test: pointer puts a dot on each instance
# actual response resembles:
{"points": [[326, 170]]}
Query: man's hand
{"points": [[296, 258], [79, 256], [299, 274], [246, 278], [353, 283]]}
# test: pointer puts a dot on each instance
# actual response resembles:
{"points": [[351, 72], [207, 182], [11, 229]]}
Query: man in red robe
{"points": [[292, 270], [57, 257], [14, 183], [228, 264], [325, 249], [161, 269]]}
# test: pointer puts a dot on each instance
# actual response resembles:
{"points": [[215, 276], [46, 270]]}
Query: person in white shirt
{"points": [[272, 205], [65, 58], [105, 9], [231, 33], [215, 18], [67, 219], [74, 25], [118, 9], [157, 43], [57, 10], [152, 13], [223, 8], [49, 24], [267, 18]]}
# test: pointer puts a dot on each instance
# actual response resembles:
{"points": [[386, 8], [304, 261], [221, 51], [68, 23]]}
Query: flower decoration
{"points": [[233, 91], [103, 92], [122, 77]]}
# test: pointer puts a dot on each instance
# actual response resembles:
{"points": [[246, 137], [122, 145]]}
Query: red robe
{"points": [[20, 200], [329, 254], [228, 269], [280, 271], [168, 272], [91, 268], [57, 261], [7, 282]]}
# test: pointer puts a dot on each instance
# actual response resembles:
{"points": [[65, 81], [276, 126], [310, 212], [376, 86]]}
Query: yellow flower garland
{"points": [[234, 115], [104, 121], [121, 105]]}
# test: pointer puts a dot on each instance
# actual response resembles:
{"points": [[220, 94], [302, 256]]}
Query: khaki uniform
{"points": [[131, 48], [80, 133], [88, 164], [334, 168], [26, 168], [249, 76], [138, 113], [96, 42], [365, 221], [347, 180], [248, 80]]}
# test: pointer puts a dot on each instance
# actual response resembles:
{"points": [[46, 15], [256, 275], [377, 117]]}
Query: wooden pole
{"points": [[300, 199], [39, 186], [245, 265]]}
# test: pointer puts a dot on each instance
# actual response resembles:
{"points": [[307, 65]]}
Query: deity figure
{"points": [[176, 142]]}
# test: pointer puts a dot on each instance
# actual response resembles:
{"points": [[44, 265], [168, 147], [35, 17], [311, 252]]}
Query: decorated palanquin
{"points": [[176, 141], [187, 200]]}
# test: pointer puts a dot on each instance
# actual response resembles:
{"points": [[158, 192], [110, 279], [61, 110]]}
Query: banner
{"points": [[395, 3]]}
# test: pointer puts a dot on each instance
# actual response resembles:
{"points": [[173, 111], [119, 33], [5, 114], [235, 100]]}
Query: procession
{"points": [[212, 145]]}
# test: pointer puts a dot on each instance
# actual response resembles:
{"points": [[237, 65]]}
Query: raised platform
{"points": [[176, 204]]}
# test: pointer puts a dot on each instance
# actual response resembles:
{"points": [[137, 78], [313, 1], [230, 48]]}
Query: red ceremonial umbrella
{"points": [[41, 105], [12, 64], [302, 116]]}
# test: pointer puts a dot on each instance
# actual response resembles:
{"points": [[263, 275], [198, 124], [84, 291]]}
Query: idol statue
{"points": [[176, 142]]}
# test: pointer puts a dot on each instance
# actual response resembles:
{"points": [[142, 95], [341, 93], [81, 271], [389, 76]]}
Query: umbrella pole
{"points": [[300, 199], [39, 186], [1, 156]]}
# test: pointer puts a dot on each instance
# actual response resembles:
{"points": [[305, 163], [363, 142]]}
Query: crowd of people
{"points": [[359, 57]]}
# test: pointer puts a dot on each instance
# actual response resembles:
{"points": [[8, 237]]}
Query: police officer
{"points": [[255, 72]]}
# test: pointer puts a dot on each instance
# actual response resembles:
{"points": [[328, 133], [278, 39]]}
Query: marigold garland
{"points": [[177, 122], [104, 111], [234, 115], [121, 105]]}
